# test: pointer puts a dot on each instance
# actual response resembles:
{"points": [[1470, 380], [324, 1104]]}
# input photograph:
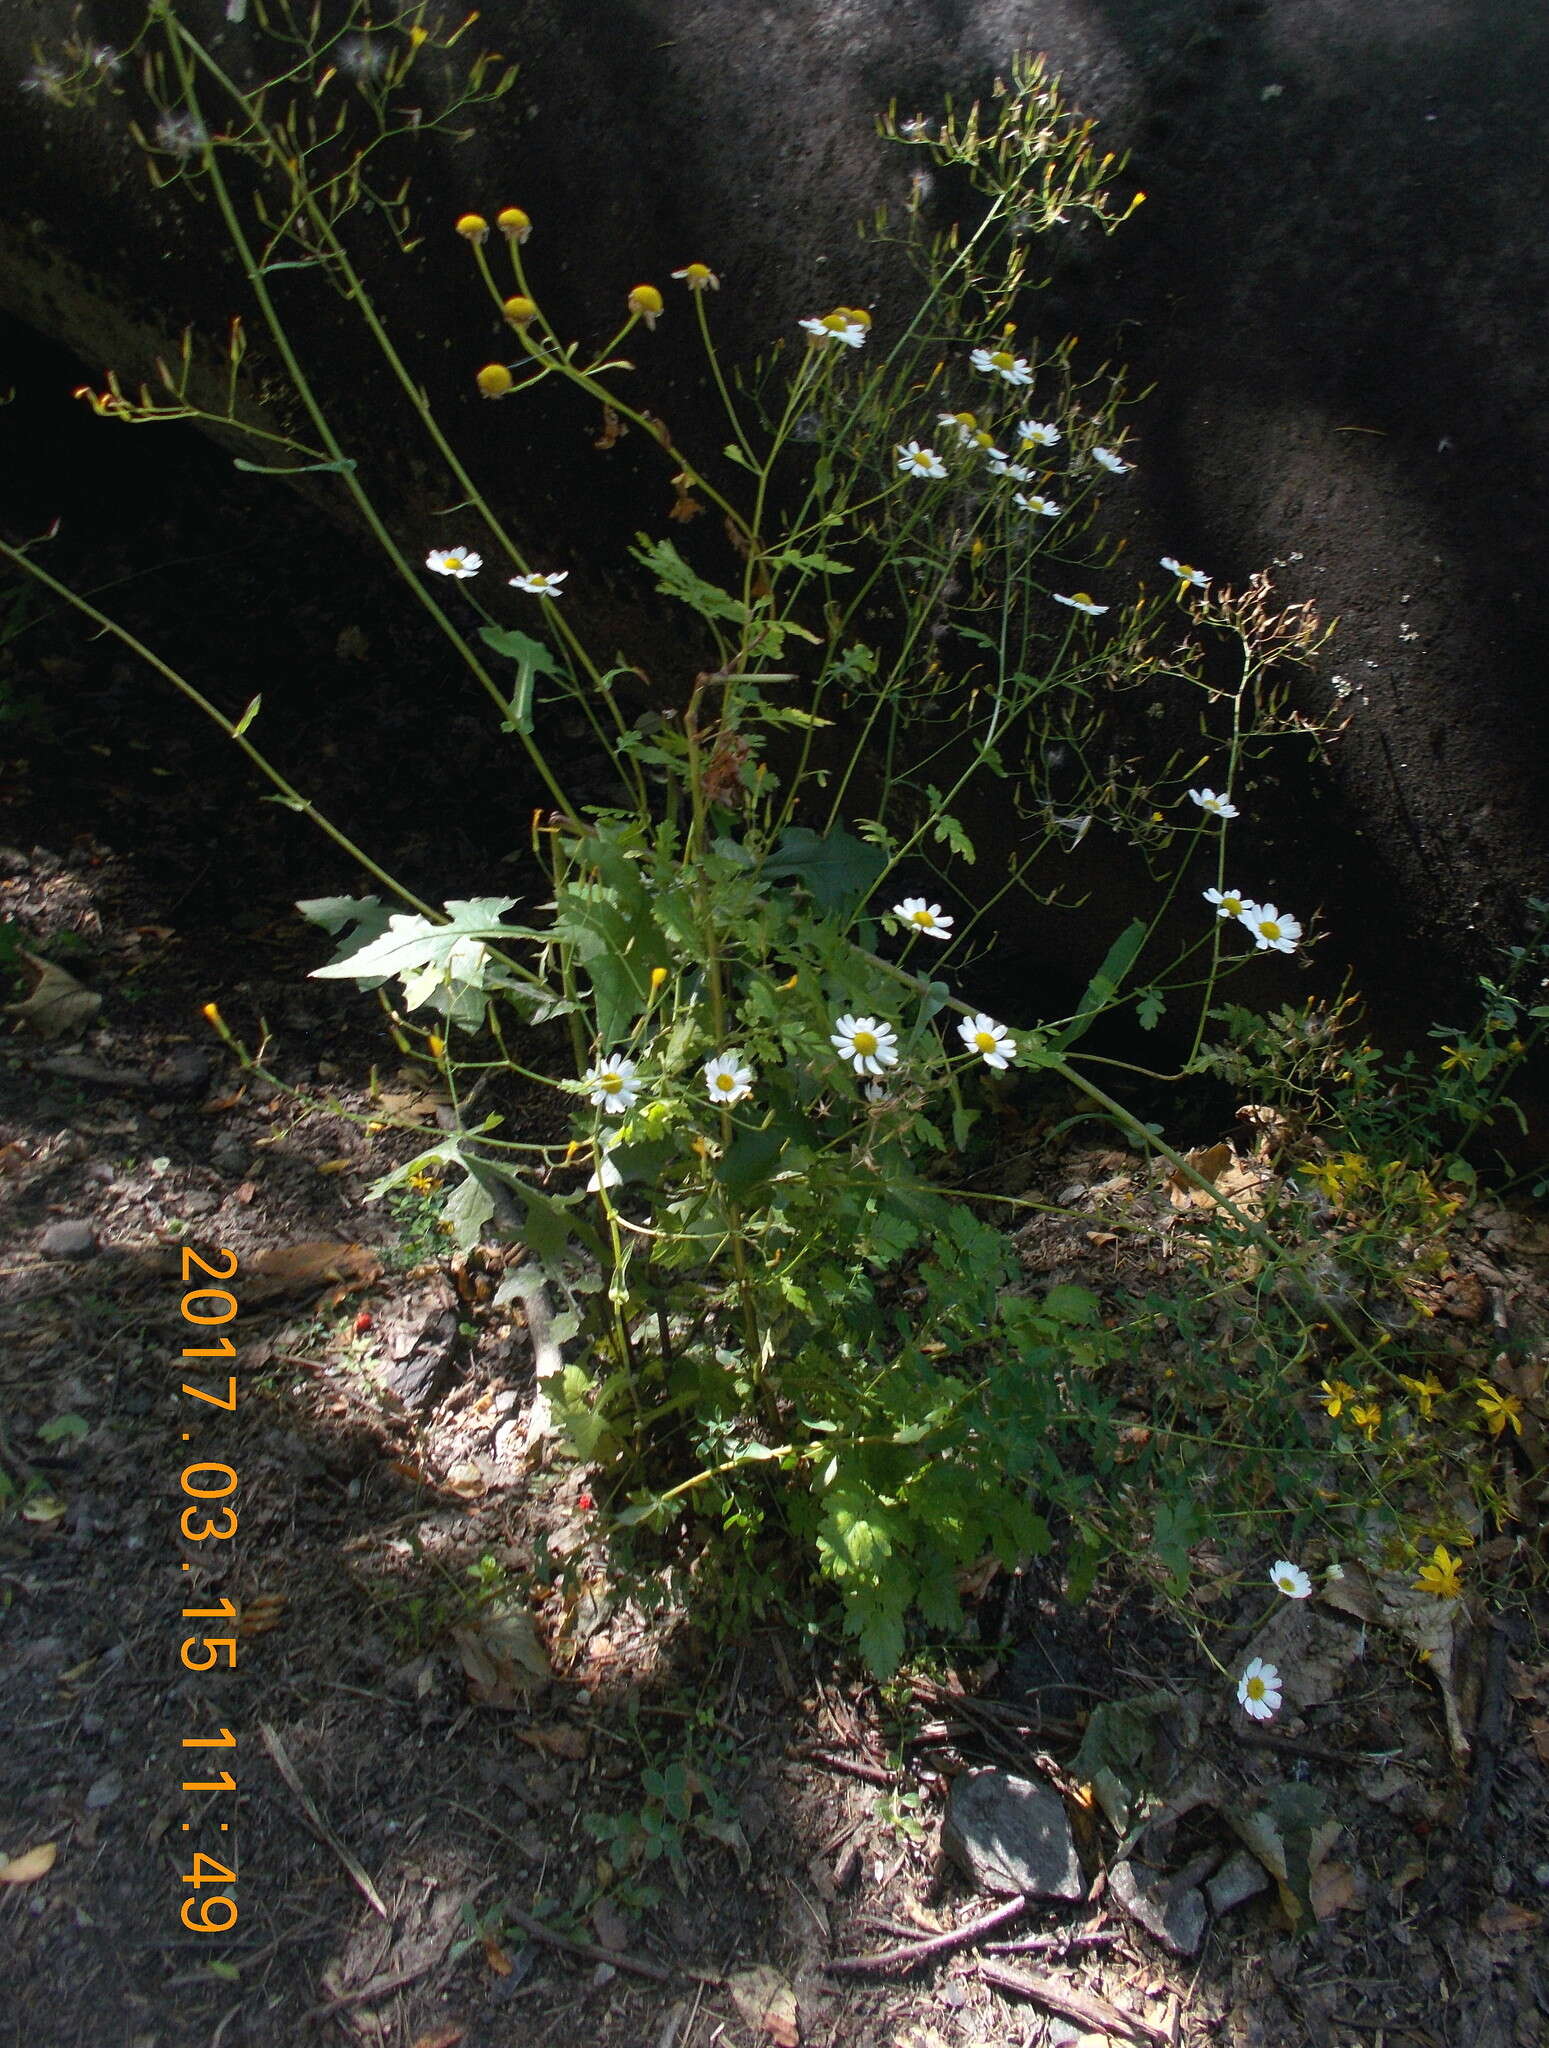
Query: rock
{"points": [[1173, 1914], [228, 1154], [182, 1075], [1009, 1835], [68, 1241], [1240, 1878], [200, 1202]]}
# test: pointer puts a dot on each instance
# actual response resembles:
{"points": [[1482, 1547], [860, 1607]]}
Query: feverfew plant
{"points": [[787, 1315]]}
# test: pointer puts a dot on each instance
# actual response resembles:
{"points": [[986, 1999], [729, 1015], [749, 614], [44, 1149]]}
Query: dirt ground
{"points": [[487, 1794]]}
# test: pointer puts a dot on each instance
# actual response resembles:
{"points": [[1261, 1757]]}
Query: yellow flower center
{"points": [[1186, 572], [1003, 359], [646, 300], [1256, 1688], [494, 380], [922, 918], [1269, 928], [984, 1040], [725, 1082], [865, 1043], [472, 226], [1082, 597], [612, 1084], [519, 310]]}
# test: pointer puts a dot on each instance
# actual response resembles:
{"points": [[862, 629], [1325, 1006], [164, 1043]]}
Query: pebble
{"points": [[1174, 1915], [228, 1154], [199, 1203], [68, 1241], [1009, 1835]]}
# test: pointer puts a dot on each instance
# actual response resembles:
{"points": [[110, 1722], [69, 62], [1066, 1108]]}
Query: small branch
{"points": [[1042, 1944], [938, 1944], [315, 1821], [589, 1951], [848, 1766], [1095, 2014]]}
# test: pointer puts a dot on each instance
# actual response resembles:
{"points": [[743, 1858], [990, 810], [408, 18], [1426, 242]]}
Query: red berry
{"points": [[363, 1322], [584, 1501]]}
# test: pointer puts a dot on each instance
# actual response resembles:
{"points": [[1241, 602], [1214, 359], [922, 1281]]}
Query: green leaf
{"points": [[247, 717], [345, 463], [947, 829], [1069, 1304], [1150, 1008], [411, 942], [837, 870], [63, 1429], [1103, 988], [674, 578], [819, 565]]}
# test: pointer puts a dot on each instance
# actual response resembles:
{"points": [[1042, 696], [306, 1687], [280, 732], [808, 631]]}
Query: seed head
{"points": [[473, 227], [520, 311], [512, 222], [494, 380], [645, 302]]}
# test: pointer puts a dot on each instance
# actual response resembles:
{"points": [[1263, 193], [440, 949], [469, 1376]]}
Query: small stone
{"points": [[1175, 1918], [1008, 1835], [228, 1154], [1240, 1878], [68, 1241], [199, 1202]]}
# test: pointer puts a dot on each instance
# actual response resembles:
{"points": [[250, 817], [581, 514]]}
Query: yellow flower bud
{"points": [[437, 1045], [473, 227], [511, 221], [494, 380], [645, 302], [658, 976], [212, 1015], [519, 310]]}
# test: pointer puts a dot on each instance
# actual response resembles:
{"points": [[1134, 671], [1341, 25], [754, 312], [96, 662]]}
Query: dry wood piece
{"points": [[1088, 2011], [315, 1821], [590, 1951], [937, 1944]]}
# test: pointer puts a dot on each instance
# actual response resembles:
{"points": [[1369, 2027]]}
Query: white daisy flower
{"points": [[1274, 931], [914, 460], [875, 1091], [991, 1041], [727, 1080], [964, 424], [1109, 461], [1018, 472], [1218, 806], [1229, 903], [1291, 1580], [1258, 1690], [454, 561], [1001, 362], [923, 917], [540, 586], [838, 326], [612, 1086], [1045, 508], [1185, 574], [870, 1045], [1081, 602], [1038, 433]]}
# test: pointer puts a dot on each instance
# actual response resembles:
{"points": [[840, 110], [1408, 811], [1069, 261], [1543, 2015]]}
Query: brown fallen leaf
{"points": [[302, 1268], [30, 1865], [561, 1739], [257, 1616], [1502, 1917], [443, 2037], [502, 1658], [1210, 1162], [58, 1007], [767, 2003]]}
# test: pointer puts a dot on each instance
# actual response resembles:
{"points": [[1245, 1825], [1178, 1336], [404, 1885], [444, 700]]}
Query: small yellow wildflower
{"points": [[1427, 1392], [513, 223], [1499, 1409], [1366, 1415], [1442, 1576], [436, 1044], [699, 277], [1335, 1394], [658, 976], [494, 380], [211, 1015], [473, 227], [519, 310], [645, 302]]}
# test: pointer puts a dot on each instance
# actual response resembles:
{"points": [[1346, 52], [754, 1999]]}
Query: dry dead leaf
{"points": [[501, 1656], [257, 1616], [443, 2037], [30, 1865], [496, 1957], [302, 1268], [1335, 1888], [218, 1103], [766, 2001], [1210, 1162], [1502, 1917], [43, 1507], [58, 1007], [561, 1739], [246, 1192]]}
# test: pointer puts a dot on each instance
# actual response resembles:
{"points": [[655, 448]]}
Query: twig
{"points": [[315, 1821], [589, 1951], [915, 1951], [848, 1767], [1040, 1944], [1095, 2014]]}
